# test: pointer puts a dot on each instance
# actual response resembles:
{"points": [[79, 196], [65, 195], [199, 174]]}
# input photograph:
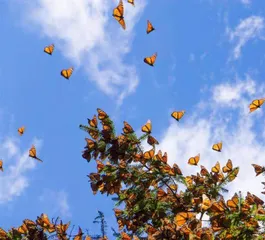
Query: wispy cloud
{"points": [[14, 180], [88, 35], [247, 2], [55, 203], [211, 123], [249, 28]]}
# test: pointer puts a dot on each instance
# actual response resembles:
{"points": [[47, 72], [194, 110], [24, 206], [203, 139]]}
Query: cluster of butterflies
{"points": [[66, 73], [29, 227], [32, 150], [118, 14]]}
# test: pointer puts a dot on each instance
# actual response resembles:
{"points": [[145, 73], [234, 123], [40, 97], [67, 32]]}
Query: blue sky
{"points": [[210, 63]]}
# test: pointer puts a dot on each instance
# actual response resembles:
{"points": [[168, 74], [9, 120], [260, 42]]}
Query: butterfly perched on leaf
{"points": [[228, 167], [147, 128], [150, 27], [194, 160], [151, 140], [127, 128], [233, 202], [131, 2], [217, 147], [216, 168], [101, 114], [93, 122], [67, 73], [21, 130], [79, 235], [256, 104], [258, 169], [178, 115], [182, 218], [1, 165], [118, 14], [206, 202], [49, 49], [33, 153], [149, 154], [3, 234], [151, 60]]}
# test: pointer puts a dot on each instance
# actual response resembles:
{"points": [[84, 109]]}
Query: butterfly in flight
{"points": [[66, 73], [33, 153], [150, 60], [49, 49], [150, 27], [118, 14]]}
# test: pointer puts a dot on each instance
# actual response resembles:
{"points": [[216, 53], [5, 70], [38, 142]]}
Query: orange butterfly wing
{"points": [[150, 27], [217, 147], [21, 130], [49, 49], [118, 14], [67, 73], [151, 60]]}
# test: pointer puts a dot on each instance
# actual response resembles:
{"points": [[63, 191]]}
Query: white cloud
{"points": [[247, 2], [249, 28], [13, 181], [88, 35], [198, 131], [55, 203]]}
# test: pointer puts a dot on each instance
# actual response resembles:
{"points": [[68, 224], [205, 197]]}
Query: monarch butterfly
{"points": [[62, 228], [21, 130], [29, 223], [258, 169], [23, 229], [164, 158], [79, 234], [188, 180], [216, 168], [228, 167], [49, 49], [125, 236], [253, 199], [1, 166], [204, 171], [256, 104], [127, 128], [147, 128], [194, 160], [118, 14], [149, 154], [66, 73], [131, 2], [45, 223], [233, 174], [206, 202], [101, 114], [150, 27], [233, 203], [151, 60], [182, 217], [178, 115], [176, 169], [93, 122], [217, 147], [218, 206], [32, 153], [90, 144], [3, 234], [151, 140]]}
